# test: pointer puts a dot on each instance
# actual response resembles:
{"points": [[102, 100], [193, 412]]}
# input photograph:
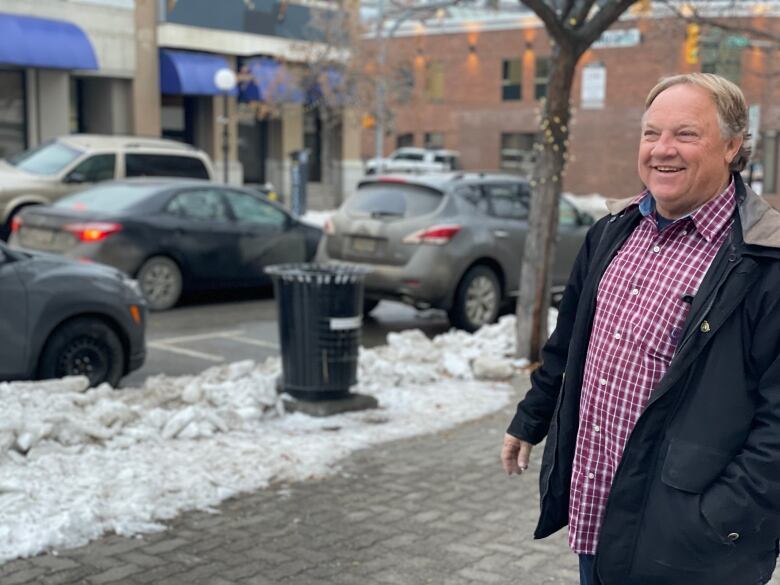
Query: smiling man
{"points": [[659, 391]]}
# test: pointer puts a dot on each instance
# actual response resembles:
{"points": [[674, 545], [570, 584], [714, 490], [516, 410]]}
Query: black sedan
{"points": [[171, 235]]}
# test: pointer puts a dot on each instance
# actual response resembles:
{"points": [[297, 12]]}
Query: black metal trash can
{"points": [[320, 322]]}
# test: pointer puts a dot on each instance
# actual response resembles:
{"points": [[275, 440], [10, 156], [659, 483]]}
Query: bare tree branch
{"points": [[606, 15], [582, 12], [692, 15], [550, 19]]}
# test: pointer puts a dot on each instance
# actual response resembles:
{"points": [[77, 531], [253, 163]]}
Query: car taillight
{"points": [[328, 228], [16, 223], [438, 235], [93, 231]]}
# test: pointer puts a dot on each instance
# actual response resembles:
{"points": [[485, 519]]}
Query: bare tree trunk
{"points": [[534, 289]]}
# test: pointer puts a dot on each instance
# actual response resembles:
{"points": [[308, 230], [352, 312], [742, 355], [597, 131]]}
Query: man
{"points": [[659, 391]]}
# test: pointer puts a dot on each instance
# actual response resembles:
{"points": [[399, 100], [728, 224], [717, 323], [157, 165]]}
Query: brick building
{"points": [[475, 86]]}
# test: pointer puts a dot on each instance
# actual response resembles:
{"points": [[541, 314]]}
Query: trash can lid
{"points": [[304, 272]]}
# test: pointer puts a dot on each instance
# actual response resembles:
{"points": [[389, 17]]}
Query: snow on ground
{"points": [[594, 204], [317, 218], [77, 463]]}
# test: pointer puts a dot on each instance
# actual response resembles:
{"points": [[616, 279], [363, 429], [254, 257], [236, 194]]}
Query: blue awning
{"points": [[29, 41], [331, 86], [266, 80], [190, 73]]}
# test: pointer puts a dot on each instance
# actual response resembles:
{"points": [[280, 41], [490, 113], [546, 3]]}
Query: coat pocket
{"points": [[674, 534], [691, 467]]}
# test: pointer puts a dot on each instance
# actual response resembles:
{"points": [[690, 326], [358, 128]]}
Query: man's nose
{"points": [[664, 147]]}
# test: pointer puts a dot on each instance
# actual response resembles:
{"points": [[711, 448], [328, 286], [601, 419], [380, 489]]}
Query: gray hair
{"points": [[729, 102]]}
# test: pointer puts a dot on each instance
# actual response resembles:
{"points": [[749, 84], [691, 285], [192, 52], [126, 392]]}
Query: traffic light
{"points": [[692, 44]]}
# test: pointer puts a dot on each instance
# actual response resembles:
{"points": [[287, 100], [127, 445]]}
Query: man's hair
{"points": [[729, 102]]}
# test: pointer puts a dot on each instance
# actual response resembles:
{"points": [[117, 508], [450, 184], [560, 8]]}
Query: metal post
{"points": [[379, 123], [225, 146]]}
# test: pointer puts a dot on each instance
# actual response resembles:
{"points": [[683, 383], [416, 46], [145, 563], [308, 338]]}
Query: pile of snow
{"points": [[317, 218], [76, 463], [594, 204]]}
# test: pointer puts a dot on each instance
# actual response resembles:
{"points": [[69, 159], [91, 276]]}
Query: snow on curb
{"points": [[77, 463]]}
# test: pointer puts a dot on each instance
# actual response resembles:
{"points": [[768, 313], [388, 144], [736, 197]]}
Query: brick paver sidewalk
{"points": [[434, 509]]}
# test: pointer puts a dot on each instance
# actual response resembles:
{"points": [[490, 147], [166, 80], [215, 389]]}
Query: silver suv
{"points": [[451, 241], [47, 172]]}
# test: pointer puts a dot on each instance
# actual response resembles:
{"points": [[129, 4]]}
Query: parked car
{"points": [[67, 164], [172, 235], [421, 160], [60, 317], [448, 241]]}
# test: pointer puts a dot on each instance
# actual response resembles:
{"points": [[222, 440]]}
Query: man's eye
{"points": [[649, 133]]}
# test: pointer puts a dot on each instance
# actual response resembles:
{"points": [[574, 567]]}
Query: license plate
{"points": [[364, 245], [36, 238]]}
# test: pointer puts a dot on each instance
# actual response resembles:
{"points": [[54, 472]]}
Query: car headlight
{"points": [[134, 286]]}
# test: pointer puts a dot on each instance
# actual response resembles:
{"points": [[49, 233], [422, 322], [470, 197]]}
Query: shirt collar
{"points": [[707, 219]]}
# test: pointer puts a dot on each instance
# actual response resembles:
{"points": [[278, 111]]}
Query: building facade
{"points": [[477, 87], [146, 67]]}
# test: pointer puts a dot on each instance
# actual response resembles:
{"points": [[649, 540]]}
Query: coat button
{"points": [[705, 327], [733, 536]]}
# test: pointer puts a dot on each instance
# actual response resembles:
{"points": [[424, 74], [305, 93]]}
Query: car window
{"points": [[409, 156], [164, 165], [508, 200], [393, 200], [474, 195], [198, 205], [567, 214], [107, 197], [46, 159], [249, 209], [95, 168]]}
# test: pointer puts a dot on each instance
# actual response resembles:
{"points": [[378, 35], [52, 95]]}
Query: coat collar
{"points": [[760, 221]]}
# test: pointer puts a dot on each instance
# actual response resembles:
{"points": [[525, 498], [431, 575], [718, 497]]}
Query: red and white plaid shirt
{"points": [[640, 313]]}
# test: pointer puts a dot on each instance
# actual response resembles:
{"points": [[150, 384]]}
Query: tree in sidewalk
{"points": [[573, 26]]}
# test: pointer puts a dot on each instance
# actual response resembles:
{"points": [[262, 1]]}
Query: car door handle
{"points": [[501, 233]]}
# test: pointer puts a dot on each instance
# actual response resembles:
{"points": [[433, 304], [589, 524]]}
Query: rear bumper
{"points": [[426, 281]]}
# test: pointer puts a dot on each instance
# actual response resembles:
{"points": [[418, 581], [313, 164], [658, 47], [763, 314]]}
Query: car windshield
{"points": [[47, 159], [116, 197], [393, 200]]}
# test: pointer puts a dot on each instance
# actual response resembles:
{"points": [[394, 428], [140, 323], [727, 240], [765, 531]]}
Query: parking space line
{"points": [[183, 351], [250, 341], [200, 336]]}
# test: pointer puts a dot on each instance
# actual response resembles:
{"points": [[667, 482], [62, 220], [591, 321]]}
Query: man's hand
{"points": [[515, 455]]}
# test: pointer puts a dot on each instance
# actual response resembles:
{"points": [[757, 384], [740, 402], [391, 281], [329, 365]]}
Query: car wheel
{"points": [[477, 299], [83, 347], [369, 305], [161, 282]]}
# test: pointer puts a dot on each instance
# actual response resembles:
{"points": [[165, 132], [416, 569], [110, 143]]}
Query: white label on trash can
{"points": [[342, 323]]}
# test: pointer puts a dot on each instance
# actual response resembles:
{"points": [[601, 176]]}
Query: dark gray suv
{"points": [[451, 241], [62, 317]]}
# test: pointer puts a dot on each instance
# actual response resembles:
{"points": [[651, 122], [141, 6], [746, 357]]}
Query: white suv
{"points": [[412, 159], [56, 168]]}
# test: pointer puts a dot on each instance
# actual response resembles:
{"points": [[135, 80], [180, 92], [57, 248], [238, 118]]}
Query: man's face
{"points": [[683, 158]]}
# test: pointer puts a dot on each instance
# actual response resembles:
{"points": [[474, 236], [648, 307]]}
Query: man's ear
{"points": [[732, 148]]}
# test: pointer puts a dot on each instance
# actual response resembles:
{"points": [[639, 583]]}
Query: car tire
{"points": [[160, 280], [369, 305], [477, 299], [84, 346]]}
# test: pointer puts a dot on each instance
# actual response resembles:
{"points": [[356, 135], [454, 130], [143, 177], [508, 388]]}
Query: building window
{"points": [[434, 140], [512, 80], [541, 77], [719, 54], [405, 83], [403, 140], [517, 152], [434, 81]]}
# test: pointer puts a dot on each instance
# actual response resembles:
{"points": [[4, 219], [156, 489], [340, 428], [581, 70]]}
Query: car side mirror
{"points": [[75, 178]]}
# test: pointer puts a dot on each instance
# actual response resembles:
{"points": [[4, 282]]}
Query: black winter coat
{"points": [[696, 497]]}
